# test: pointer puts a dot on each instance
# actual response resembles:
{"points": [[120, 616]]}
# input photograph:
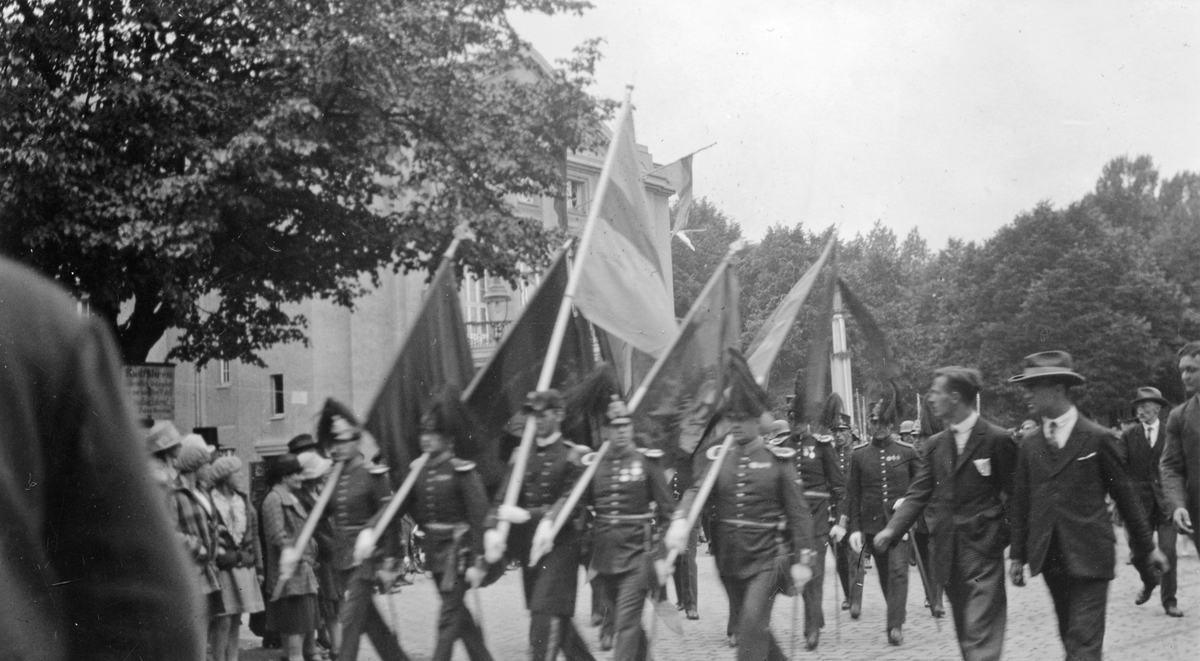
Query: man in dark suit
{"points": [[1141, 448], [963, 487], [1060, 523], [1180, 465]]}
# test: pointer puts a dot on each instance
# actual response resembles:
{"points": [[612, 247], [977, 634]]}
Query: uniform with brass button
{"points": [[880, 473], [628, 495], [550, 586], [360, 495], [843, 444]]}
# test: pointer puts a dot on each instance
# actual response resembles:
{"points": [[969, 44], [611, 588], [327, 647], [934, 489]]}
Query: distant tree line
{"points": [[1112, 278]]}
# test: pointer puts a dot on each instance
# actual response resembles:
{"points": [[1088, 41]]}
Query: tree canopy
{"points": [[156, 154]]}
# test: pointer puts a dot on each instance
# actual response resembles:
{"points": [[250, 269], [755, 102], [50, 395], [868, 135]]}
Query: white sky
{"points": [[948, 116]]}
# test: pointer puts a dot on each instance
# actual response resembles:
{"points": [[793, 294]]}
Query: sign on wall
{"points": [[152, 388]]}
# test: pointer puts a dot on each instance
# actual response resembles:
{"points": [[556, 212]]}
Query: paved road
{"points": [[1134, 632]]}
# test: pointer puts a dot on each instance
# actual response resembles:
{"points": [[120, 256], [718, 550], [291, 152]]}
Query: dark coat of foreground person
{"points": [[91, 568]]}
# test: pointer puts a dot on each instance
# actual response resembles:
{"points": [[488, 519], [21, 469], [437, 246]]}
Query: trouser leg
{"points": [[1167, 538], [1080, 605], [814, 590], [573, 647], [685, 576], [358, 616], [735, 590], [755, 642], [893, 579], [630, 641], [841, 556], [978, 604], [455, 622], [858, 572]]}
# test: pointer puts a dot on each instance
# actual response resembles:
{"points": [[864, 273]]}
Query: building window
{"points": [[223, 373], [474, 307], [276, 395], [576, 195]]}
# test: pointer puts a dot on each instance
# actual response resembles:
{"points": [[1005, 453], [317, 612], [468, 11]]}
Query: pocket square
{"points": [[984, 466], [1086, 456]]}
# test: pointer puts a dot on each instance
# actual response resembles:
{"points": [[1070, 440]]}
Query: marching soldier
{"points": [[362, 491], [449, 503], [843, 445], [553, 468], [880, 472], [627, 481], [824, 487], [762, 528]]}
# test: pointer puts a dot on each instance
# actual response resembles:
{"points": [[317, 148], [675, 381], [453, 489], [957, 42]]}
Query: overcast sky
{"points": [[952, 117]]}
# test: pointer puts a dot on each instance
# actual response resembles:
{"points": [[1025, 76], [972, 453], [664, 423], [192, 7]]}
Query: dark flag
{"points": [[498, 390], [435, 353], [673, 405]]}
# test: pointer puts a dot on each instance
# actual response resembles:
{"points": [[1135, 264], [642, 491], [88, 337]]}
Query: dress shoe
{"points": [[733, 640], [811, 640], [693, 614], [895, 636], [1173, 611], [1143, 595], [855, 611], [606, 641], [938, 611], [845, 605]]}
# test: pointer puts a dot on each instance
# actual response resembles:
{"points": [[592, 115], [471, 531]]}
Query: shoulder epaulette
{"points": [[377, 469], [588, 459], [904, 443], [861, 445], [651, 453], [783, 453], [774, 442], [713, 452], [824, 438], [462, 465]]}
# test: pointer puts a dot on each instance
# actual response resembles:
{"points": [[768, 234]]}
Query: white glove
{"points": [[899, 502], [512, 514], [474, 576], [493, 546], [364, 546], [663, 570], [801, 573], [543, 541], [856, 543], [837, 533], [677, 536], [289, 559]]}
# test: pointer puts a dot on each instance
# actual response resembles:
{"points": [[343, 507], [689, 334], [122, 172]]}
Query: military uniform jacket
{"points": [[1180, 464], [359, 497], [1141, 462], [964, 496], [821, 479], [550, 473], [880, 474], [449, 503], [626, 482], [760, 519], [1058, 496]]}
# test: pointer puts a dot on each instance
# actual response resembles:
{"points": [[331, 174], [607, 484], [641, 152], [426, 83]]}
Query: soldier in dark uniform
{"points": [[762, 528], [553, 468], [450, 505], [362, 491], [824, 487], [843, 444], [686, 577], [626, 484], [880, 472]]}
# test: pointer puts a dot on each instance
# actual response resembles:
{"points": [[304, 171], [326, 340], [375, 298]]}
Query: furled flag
{"points": [[675, 402], [435, 353], [498, 390], [770, 337], [679, 174], [624, 284]]}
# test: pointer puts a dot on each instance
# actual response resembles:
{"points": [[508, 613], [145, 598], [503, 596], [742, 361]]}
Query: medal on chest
{"points": [[631, 473]]}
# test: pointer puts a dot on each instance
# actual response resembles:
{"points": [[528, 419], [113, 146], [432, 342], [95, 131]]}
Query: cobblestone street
{"points": [[1133, 632]]}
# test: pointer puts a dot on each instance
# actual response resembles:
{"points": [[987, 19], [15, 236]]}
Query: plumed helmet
{"points": [[337, 424], [447, 415], [617, 413], [743, 397]]}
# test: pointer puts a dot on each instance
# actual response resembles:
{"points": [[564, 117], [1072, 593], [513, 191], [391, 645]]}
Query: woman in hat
{"points": [[239, 557], [195, 518], [293, 613], [329, 588]]}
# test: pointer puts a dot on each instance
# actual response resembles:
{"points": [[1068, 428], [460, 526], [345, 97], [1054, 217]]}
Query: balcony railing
{"points": [[485, 334]]}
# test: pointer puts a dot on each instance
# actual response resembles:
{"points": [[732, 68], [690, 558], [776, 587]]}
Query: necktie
{"points": [[1150, 435], [1053, 435]]}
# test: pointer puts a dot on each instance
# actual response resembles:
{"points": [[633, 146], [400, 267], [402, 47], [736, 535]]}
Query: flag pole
{"points": [[521, 458], [663, 167], [706, 487]]}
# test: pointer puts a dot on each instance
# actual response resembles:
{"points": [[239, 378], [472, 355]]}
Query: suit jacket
{"points": [[1058, 497], [92, 566], [1180, 463], [964, 497], [1141, 462]]}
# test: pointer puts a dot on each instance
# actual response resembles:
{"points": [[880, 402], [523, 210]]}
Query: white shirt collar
{"points": [[549, 440], [967, 424], [1064, 425]]}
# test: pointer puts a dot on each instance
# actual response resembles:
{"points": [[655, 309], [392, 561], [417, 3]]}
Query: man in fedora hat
{"points": [[1180, 465], [1066, 468], [1141, 447]]}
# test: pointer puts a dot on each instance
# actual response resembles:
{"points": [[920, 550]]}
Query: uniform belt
{"points": [[743, 523], [442, 527], [815, 494], [625, 518]]}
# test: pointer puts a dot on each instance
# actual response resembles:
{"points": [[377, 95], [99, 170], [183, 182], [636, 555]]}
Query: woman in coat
{"points": [[293, 614], [239, 557]]}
